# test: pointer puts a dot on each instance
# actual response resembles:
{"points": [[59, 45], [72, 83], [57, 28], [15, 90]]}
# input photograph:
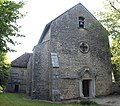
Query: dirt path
{"points": [[112, 100]]}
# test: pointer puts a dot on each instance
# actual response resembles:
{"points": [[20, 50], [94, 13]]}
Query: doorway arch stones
{"points": [[86, 77]]}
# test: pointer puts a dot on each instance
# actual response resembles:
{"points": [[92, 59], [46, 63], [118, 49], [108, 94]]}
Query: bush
{"points": [[1, 89], [115, 92], [87, 102]]}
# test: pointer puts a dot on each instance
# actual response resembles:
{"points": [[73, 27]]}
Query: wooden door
{"points": [[85, 84]]}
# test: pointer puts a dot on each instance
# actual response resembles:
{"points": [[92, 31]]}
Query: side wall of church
{"points": [[66, 37], [41, 68]]}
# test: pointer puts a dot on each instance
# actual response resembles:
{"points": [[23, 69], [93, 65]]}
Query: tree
{"points": [[9, 29], [4, 65], [115, 50], [110, 18]]}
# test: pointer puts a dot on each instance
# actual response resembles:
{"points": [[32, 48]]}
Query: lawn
{"points": [[12, 99]]}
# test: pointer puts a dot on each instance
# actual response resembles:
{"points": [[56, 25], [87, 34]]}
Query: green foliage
{"points": [[9, 29], [2, 1], [115, 92], [1, 89], [89, 103], [110, 18], [4, 65], [115, 49], [9, 14]]}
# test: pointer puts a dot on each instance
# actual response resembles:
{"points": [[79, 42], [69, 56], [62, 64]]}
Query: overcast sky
{"points": [[41, 12]]}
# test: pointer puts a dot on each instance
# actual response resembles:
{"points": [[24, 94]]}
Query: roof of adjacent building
{"points": [[21, 61]]}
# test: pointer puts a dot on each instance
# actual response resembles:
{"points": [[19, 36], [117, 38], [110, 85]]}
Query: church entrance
{"points": [[87, 88], [85, 85]]}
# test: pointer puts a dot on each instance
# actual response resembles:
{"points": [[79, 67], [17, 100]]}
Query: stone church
{"points": [[71, 59]]}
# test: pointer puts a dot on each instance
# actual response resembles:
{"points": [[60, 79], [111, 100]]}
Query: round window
{"points": [[84, 47]]}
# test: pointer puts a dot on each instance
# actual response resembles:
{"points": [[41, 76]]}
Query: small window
{"points": [[84, 47], [81, 22]]}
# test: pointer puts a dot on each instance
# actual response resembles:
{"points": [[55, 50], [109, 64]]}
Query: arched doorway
{"points": [[86, 83]]}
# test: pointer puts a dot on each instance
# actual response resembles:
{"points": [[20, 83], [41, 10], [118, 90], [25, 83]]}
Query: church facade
{"points": [[71, 59]]}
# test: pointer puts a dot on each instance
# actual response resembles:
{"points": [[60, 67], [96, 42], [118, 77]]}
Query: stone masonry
{"points": [[72, 58]]}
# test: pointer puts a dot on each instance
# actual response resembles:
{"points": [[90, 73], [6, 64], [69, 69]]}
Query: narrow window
{"points": [[81, 22]]}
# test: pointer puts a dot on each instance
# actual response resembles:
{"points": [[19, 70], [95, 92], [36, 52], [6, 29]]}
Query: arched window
{"points": [[81, 22]]}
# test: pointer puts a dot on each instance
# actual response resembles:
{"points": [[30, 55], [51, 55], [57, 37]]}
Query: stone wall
{"points": [[69, 89], [29, 77], [17, 77], [66, 37], [41, 69]]}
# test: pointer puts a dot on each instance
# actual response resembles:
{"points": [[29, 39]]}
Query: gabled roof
{"points": [[21, 61], [48, 25]]}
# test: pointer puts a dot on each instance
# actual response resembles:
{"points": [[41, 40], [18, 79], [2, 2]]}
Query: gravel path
{"points": [[111, 100]]}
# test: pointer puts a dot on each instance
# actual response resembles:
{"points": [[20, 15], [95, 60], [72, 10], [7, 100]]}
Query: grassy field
{"points": [[11, 99]]}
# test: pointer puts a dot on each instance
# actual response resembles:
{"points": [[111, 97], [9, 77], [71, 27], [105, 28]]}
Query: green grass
{"points": [[11, 99]]}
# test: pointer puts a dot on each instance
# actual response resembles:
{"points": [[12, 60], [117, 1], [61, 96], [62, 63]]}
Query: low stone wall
{"points": [[116, 87]]}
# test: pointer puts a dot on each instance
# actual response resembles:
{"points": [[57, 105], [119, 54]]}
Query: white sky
{"points": [[41, 12]]}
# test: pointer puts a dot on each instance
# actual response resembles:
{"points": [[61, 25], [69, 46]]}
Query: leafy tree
{"points": [[9, 29], [115, 49], [4, 65], [110, 18]]}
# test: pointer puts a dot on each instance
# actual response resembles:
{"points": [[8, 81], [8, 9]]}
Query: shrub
{"points": [[87, 102], [1, 89]]}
